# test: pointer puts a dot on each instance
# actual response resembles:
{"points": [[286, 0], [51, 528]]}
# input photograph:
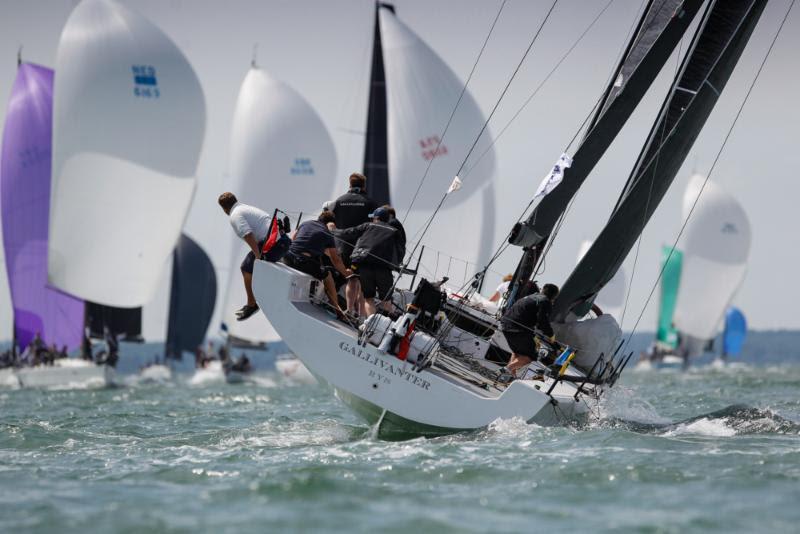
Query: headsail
{"points": [[611, 299], [735, 332], [422, 92], [192, 298], [716, 247], [660, 29], [281, 157], [25, 196], [129, 123], [376, 150], [714, 52], [671, 261], [125, 322]]}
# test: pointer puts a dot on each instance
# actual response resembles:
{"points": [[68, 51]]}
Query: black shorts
{"points": [[521, 343], [374, 280], [306, 264], [250, 259]]}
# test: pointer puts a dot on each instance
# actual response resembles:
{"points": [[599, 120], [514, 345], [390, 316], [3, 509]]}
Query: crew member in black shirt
{"points": [[400, 241], [351, 209], [373, 256], [521, 320], [311, 241]]}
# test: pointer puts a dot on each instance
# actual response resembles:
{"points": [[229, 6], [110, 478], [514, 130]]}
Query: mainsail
{"points": [[129, 123], [716, 246], [671, 261], [281, 157], [126, 322], [421, 93], [712, 56], [25, 197], [192, 298]]}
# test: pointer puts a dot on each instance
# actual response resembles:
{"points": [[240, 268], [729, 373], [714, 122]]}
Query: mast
{"points": [[376, 152], [661, 27], [713, 54]]}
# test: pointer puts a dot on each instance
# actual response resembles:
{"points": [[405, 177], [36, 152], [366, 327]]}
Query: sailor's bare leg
{"points": [[518, 361], [330, 290], [352, 294], [369, 305], [248, 288]]}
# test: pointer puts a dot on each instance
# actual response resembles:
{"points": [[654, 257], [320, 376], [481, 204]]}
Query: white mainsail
{"points": [[281, 157], [715, 247], [129, 123], [421, 94], [611, 299]]}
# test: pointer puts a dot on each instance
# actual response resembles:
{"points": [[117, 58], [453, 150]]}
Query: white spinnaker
{"points": [[421, 94], [612, 297], [716, 246], [281, 157], [129, 122]]}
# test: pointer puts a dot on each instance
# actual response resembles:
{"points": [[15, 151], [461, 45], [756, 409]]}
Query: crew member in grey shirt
{"points": [[252, 226]]}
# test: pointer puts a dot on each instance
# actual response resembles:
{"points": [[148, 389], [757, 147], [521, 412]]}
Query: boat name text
{"points": [[387, 367]]}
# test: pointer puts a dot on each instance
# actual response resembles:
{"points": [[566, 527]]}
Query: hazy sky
{"points": [[322, 49]]}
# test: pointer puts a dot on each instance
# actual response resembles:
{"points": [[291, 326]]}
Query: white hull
{"points": [[382, 388], [8, 378], [293, 369], [213, 373], [71, 373]]}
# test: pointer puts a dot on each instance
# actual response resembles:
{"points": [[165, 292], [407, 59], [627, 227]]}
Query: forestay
{"points": [[422, 92], [25, 194], [129, 122], [282, 156], [716, 246]]}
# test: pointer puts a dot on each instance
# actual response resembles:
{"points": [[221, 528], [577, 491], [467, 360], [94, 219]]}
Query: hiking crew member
{"points": [[518, 324], [311, 241], [373, 256], [351, 209], [252, 226]]}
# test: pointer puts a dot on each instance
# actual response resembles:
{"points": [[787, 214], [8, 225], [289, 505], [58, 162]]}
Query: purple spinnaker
{"points": [[25, 200]]}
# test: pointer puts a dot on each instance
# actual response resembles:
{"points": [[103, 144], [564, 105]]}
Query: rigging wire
{"points": [[539, 87], [428, 223], [708, 175], [649, 193], [455, 108]]}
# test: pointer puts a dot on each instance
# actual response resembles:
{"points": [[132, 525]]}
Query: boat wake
{"points": [[734, 420]]}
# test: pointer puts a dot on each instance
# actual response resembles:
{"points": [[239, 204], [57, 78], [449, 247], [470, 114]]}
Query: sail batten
{"points": [[713, 55]]}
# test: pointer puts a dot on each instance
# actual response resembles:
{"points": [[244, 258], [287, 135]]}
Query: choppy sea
{"points": [[714, 450]]}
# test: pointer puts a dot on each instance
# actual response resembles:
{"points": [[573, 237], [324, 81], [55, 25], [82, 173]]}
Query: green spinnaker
{"points": [[671, 262]]}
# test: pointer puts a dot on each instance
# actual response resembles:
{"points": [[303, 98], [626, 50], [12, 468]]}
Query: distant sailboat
{"points": [[412, 95], [282, 156], [699, 281], [25, 194], [25, 199], [193, 295], [129, 122], [715, 249]]}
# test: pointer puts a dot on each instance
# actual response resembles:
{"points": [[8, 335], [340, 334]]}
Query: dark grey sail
{"points": [[660, 28], [714, 52], [192, 298], [123, 322], [376, 152]]}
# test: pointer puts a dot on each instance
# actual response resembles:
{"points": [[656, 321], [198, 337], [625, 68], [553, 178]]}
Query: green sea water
{"points": [[710, 450]]}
